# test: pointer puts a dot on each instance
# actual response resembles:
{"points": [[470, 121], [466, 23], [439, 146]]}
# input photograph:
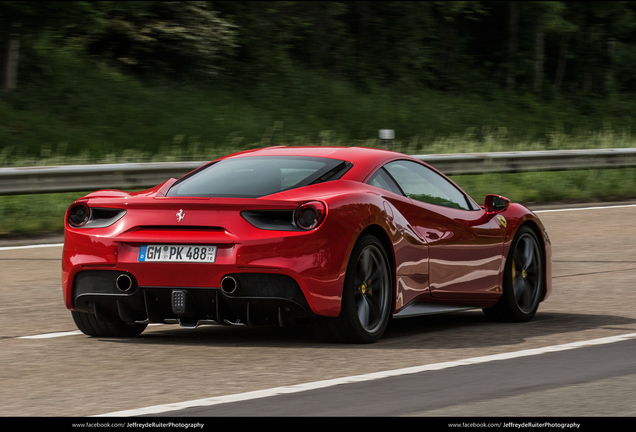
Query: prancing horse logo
{"points": [[180, 215]]}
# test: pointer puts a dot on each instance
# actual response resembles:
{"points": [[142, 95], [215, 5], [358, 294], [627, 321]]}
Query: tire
{"points": [[523, 282], [367, 297], [91, 326]]}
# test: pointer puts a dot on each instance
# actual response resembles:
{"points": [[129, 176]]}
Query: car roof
{"points": [[351, 154], [364, 159]]}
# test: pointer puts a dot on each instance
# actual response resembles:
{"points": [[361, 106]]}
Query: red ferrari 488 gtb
{"points": [[342, 238]]}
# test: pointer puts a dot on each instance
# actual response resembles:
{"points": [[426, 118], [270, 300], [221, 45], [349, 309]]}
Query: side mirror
{"points": [[496, 203]]}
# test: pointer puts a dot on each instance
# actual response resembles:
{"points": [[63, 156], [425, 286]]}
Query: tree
{"points": [[12, 17], [32, 18], [10, 81], [548, 18], [513, 42], [169, 37]]}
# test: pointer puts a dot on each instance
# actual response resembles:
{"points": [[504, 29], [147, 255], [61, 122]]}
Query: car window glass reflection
{"points": [[423, 184], [253, 177], [384, 181]]}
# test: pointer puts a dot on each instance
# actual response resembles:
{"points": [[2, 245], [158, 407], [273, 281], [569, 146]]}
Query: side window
{"points": [[384, 181], [423, 184]]}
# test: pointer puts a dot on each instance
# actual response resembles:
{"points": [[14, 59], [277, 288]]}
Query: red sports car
{"points": [[341, 238]]}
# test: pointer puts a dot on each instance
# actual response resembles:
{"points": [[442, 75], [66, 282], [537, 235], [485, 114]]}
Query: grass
{"points": [[19, 215], [185, 148], [77, 110], [551, 187], [34, 214]]}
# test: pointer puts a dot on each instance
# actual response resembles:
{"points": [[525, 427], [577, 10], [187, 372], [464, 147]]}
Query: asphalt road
{"points": [[48, 369]]}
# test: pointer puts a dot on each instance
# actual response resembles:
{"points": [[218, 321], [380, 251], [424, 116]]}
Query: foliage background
{"points": [[116, 81]]}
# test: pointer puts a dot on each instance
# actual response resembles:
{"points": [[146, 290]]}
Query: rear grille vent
{"points": [[177, 228]]}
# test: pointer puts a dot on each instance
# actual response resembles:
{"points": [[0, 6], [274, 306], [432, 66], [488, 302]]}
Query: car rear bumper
{"points": [[313, 263], [255, 299]]}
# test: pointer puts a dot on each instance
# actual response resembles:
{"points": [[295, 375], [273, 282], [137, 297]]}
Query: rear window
{"points": [[254, 177]]}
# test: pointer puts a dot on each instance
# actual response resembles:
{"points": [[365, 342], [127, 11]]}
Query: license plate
{"points": [[177, 253]]}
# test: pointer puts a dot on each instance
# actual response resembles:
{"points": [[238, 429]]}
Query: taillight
{"points": [[310, 215], [78, 215]]}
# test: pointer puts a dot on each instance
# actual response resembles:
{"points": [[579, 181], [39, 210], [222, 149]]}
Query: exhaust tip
{"points": [[229, 284], [124, 282]]}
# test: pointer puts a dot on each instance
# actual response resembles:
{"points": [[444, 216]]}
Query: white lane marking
{"points": [[241, 397], [31, 246], [585, 208], [65, 333], [51, 335]]}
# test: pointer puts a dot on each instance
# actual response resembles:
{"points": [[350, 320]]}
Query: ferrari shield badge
{"points": [[502, 220]]}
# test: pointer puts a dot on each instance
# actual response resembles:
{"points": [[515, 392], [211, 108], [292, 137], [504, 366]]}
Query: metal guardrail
{"points": [[517, 162], [131, 176], [78, 178]]}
